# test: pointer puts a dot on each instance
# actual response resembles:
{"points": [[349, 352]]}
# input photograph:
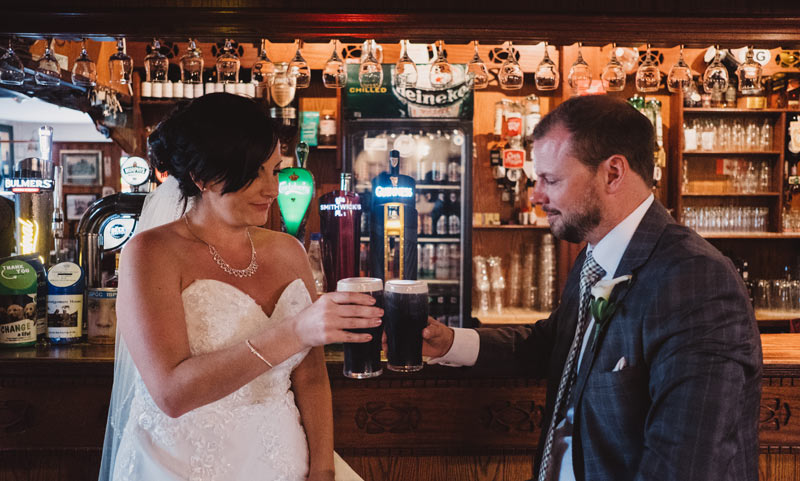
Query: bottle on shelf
{"points": [[439, 215], [454, 215]]}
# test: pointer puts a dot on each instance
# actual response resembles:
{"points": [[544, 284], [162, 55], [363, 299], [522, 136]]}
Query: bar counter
{"points": [[438, 424]]}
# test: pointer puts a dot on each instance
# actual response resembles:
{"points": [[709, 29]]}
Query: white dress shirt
{"points": [[608, 254]]}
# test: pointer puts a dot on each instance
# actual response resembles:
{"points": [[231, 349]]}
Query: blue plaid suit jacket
{"points": [[686, 407]]}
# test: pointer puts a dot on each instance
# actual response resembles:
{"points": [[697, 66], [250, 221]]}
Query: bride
{"points": [[225, 376]]}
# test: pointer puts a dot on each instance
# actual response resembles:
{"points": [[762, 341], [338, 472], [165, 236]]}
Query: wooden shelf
{"points": [[700, 110], [731, 152], [766, 315], [736, 194], [325, 147], [750, 235], [510, 315], [511, 226], [437, 187], [427, 240], [441, 282]]}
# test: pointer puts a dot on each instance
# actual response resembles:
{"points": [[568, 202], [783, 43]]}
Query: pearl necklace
{"points": [[246, 272]]}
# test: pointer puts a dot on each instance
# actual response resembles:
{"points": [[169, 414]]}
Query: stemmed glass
{"points": [[228, 64], [405, 71], [120, 65], [283, 85], [648, 77], [370, 72], [192, 64], [679, 78], [299, 68], [84, 71], [477, 70], [715, 78], [441, 73], [12, 71], [546, 76], [613, 75], [48, 71], [156, 64], [334, 75], [511, 76], [580, 74], [749, 74]]}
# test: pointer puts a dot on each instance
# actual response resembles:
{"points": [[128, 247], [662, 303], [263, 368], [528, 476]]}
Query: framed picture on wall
{"points": [[6, 148], [82, 167], [76, 204]]}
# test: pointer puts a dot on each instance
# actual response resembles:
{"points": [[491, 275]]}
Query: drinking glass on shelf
{"points": [[120, 65], [299, 67], [749, 74], [334, 74], [511, 76], [648, 76], [482, 284], [498, 283], [282, 88], [441, 72], [48, 72], [546, 76], [263, 69], [752, 136], [478, 70], [764, 176], [12, 71], [679, 78], [580, 74], [156, 64], [370, 72], [613, 75], [765, 137], [84, 70], [405, 70], [191, 64], [715, 78], [228, 64]]}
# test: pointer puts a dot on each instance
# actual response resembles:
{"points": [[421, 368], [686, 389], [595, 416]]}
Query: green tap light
{"points": [[295, 191]]}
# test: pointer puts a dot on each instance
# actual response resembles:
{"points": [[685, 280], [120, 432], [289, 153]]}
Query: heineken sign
{"points": [[422, 101]]}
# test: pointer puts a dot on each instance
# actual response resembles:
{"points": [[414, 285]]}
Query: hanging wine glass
{"points": [[191, 64], [405, 70], [370, 71], [228, 64], [546, 76], [84, 71], [120, 65], [715, 78], [156, 64], [282, 88], [749, 74], [679, 78], [334, 75], [648, 77], [441, 73], [613, 75], [299, 67], [375, 47], [48, 72], [511, 76], [580, 74], [12, 71], [477, 70]]}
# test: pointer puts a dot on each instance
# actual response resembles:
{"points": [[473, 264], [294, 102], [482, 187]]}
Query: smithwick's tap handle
{"points": [[302, 154]]}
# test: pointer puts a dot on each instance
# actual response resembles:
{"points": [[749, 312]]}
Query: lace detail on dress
{"points": [[254, 432]]}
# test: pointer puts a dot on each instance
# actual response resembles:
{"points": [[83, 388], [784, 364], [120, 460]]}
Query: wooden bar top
{"points": [[779, 349]]}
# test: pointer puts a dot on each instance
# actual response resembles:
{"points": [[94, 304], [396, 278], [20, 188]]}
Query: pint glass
{"points": [[363, 360], [405, 315]]}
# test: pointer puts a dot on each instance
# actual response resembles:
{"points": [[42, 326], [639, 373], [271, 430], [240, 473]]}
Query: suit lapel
{"points": [[639, 250]]}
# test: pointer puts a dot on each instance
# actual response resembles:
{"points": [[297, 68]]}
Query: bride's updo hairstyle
{"points": [[215, 138]]}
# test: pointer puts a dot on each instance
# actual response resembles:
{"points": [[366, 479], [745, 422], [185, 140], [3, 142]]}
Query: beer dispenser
{"points": [[32, 184], [340, 223], [295, 193], [393, 224]]}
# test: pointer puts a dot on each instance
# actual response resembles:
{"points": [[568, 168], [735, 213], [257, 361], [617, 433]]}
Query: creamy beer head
{"points": [[360, 284], [406, 287]]}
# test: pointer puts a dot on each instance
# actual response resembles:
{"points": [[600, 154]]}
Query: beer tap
{"points": [[295, 192]]}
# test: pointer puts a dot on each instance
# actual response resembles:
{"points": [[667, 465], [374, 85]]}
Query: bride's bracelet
{"points": [[258, 354]]}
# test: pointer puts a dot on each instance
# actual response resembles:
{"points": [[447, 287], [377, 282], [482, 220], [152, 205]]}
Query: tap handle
{"points": [[302, 154]]}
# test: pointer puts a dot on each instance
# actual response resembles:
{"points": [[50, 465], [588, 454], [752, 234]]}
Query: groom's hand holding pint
{"points": [[437, 339]]}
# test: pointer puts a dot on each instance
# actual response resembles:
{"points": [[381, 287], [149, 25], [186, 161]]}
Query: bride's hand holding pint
{"points": [[325, 321]]}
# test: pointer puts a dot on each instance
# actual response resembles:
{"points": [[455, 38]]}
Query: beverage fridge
{"points": [[431, 130]]}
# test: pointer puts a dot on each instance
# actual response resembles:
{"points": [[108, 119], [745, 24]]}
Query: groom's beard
{"points": [[576, 226]]}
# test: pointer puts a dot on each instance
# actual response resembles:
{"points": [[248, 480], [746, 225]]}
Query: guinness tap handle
{"points": [[394, 163], [302, 154]]}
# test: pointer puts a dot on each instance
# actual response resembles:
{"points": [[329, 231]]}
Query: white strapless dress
{"points": [[253, 433]]}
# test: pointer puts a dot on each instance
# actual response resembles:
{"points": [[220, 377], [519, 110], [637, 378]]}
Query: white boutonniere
{"points": [[600, 306]]}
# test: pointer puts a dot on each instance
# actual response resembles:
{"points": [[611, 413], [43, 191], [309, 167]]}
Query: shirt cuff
{"points": [[463, 352]]}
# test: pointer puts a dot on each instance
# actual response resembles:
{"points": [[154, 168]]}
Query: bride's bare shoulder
{"points": [[159, 242], [276, 242]]}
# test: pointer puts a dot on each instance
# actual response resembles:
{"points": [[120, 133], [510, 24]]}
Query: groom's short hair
{"points": [[601, 126]]}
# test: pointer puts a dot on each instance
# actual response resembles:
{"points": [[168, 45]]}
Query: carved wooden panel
{"points": [[779, 426]]}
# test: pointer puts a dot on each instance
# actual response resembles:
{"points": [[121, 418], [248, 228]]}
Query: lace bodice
{"points": [[255, 429]]}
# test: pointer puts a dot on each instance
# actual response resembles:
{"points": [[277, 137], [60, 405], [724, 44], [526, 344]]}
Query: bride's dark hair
{"points": [[214, 138]]}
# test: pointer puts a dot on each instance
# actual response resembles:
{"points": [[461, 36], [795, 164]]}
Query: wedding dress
{"points": [[252, 433]]}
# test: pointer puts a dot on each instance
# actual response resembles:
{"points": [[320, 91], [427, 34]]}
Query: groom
{"points": [[665, 386]]}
